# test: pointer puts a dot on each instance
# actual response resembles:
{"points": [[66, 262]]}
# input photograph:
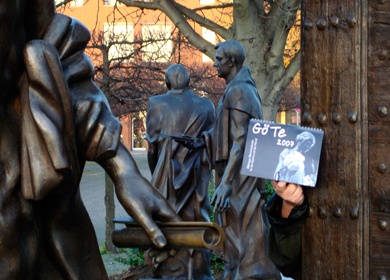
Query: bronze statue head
{"points": [[229, 59], [176, 77]]}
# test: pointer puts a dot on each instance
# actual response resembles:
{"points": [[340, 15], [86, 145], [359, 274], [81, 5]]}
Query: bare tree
{"points": [[129, 79], [262, 27]]}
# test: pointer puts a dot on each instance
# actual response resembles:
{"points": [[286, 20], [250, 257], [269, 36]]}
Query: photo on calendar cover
{"points": [[282, 152]]}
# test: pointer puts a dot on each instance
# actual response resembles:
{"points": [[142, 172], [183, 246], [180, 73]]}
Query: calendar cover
{"points": [[282, 152]]}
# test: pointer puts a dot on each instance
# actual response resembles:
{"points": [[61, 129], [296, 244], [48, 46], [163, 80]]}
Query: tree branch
{"points": [[169, 8], [275, 8], [291, 70], [64, 2], [279, 8], [241, 8], [204, 22], [282, 28], [141, 4], [211, 7], [259, 7]]}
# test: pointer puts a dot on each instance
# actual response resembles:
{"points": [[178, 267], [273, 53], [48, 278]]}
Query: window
{"points": [[120, 37], [109, 2], [209, 36], [73, 3], [156, 44], [112, 3], [77, 3]]}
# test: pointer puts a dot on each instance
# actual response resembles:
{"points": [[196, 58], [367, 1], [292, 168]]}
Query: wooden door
{"points": [[336, 98], [378, 96]]}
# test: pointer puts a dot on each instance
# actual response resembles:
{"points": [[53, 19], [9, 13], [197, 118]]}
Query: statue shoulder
{"points": [[242, 95], [205, 103], [158, 102]]}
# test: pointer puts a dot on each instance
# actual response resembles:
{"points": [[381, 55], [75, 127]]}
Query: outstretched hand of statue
{"points": [[221, 198], [138, 197]]}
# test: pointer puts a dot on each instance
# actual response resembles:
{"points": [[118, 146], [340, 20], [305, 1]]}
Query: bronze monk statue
{"points": [[180, 174], [53, 118], [239, 200]]}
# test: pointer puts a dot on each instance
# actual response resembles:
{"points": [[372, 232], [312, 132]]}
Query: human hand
{"points": [[221, 198], [291, 194]]}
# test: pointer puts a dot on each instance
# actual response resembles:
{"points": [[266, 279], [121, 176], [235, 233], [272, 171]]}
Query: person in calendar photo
{"points": [[293, 166]]}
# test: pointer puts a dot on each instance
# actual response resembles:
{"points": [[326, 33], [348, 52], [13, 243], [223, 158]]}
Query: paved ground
{"points": [[92, 193]]}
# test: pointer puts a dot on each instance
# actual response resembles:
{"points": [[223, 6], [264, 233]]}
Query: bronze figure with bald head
{"points": [[181, 174]]}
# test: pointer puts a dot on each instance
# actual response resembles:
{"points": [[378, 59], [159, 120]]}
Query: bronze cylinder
{"points": [[201, 235]]}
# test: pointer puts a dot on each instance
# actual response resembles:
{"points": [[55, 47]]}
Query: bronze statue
{"points": [[53, 119], [239, 200], [180, 174]]}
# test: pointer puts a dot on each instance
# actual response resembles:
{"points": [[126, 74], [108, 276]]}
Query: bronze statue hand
{"points": [[139, 198], [197, 144], [221, 198], [151, 207], [159, 256]]}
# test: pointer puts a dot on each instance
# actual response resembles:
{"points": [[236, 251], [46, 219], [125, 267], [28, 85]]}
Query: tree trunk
{"points": [[110, 214], [109, 201]]}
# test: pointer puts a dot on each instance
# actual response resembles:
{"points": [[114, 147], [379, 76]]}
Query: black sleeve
{"points": [[285, 237]]}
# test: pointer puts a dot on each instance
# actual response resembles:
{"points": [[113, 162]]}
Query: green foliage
{"points": [[216, 263], [133, 257], [269, 188], [211, 193], [103, 248]]}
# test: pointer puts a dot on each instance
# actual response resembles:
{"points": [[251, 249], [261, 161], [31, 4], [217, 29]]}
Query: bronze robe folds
{"points": [[45, 230], [180, 174], [245, 223]]}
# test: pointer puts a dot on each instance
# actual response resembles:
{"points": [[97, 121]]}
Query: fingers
{"points": [[289, 192], [172, 252], [217, 205], [217, 202], [152, 253], [152, 231], [226, 205], [279, 187], [214, 198], [221, 203], [161, 256], [297, 197]]}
